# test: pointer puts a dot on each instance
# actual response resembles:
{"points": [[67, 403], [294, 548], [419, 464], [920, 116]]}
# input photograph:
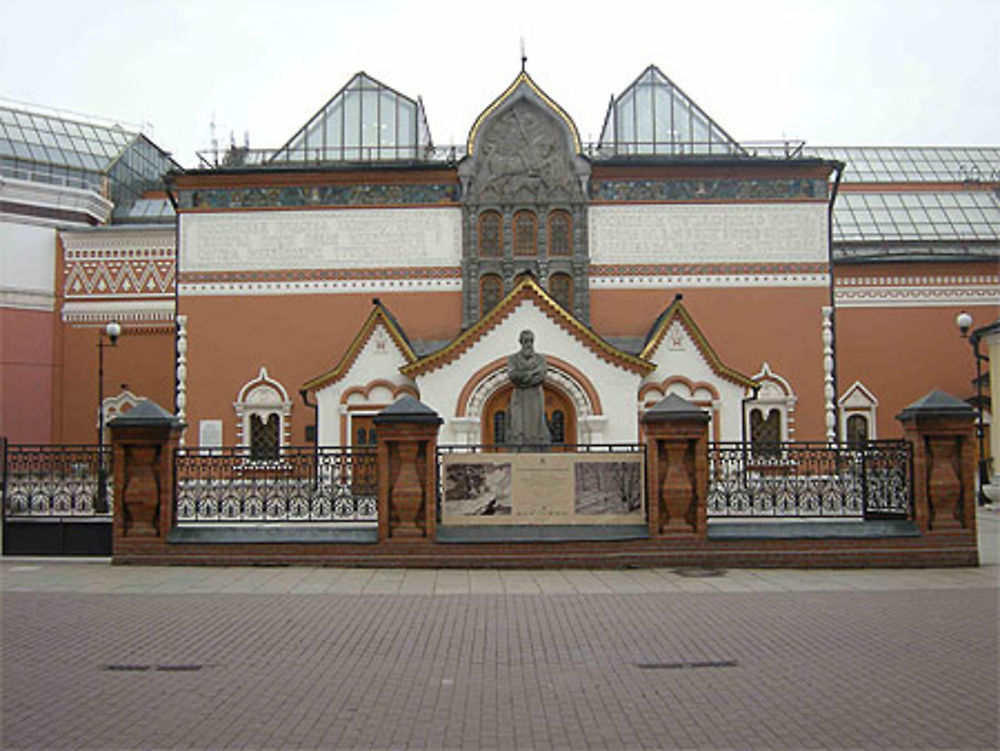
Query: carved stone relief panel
{"points": [[522, 159], [525, 163]]}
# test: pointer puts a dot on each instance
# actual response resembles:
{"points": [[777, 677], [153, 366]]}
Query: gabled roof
{"points": [[379, 315], [653, 116], [522, 80], [677, 312], [527, 290], [364, 121]]}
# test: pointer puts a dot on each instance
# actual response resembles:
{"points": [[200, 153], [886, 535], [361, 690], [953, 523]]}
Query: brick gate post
{"points": [[941, 430], [143, 442], [677, 465], [406, 433]]}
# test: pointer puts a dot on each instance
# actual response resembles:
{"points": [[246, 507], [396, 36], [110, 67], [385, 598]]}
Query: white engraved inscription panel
{"points": [[711, 233], [344, 238]]}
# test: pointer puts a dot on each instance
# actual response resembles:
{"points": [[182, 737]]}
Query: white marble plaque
{"points": [[210, 434], [340, 238], [712, 233]]}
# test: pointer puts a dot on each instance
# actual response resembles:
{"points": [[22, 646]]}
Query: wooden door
{"points": [[364, 477], [559, 413]]}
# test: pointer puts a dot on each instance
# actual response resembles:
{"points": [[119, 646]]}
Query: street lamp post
{"points": [[964, 322], [112, 331]]}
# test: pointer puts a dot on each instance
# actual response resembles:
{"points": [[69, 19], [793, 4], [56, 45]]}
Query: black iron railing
{"points": [[810, 480], [304, 484], [56, 481], [581, 448]]}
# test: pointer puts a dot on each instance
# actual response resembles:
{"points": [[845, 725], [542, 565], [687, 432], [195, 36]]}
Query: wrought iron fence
{"points": [[56, 481], [504, 448], [810, 480], [305, 484]]}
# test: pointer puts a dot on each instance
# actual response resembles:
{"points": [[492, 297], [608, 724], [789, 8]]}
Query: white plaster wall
{"points": [[379, 359], [708, 233], [617, 387], [337, 238], [677, 355], [27, 266]]}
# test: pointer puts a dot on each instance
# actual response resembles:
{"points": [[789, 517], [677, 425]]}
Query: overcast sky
{"points": [[831, 72]]}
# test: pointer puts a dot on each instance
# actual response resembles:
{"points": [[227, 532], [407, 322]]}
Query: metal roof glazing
{"points": [[897, 164], [109, 159], [365, 121], [653, 116], [970, 216]]}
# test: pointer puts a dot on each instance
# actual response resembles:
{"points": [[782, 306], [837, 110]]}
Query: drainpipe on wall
{"points": [[315, 408]]}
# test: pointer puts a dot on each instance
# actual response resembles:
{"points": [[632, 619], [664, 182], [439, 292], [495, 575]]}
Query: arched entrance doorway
{"points": [[559, 413]]}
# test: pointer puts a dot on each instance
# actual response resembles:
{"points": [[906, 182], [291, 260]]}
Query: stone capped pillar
{"points": [[143, 441], [677, 465], [941, 430], [407, 432]]}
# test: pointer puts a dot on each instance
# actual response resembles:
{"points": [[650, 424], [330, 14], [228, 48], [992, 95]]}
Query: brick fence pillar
{"points": [[143, 442], [407, 457], [677, 463], [941, 430]]}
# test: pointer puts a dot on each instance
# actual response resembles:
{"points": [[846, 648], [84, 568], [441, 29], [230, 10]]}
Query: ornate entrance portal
{"points": [[559, 414]]}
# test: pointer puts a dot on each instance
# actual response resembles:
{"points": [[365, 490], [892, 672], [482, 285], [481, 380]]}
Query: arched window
{"points": [[560, 234], [525, 234], [765, 433], [264, 438], [263, 411], [490, 293], [115, 406], [858, 407], [561, 289], [857, 431], [769, 412], [490, 235]]}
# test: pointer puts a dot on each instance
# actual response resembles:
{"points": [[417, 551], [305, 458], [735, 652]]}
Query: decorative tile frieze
{"points": [[138, 273], [306, 196], [123, 311], [633, 276], [907, 290], [702, 269], [309, 275], [764, 189], [320, 281]]}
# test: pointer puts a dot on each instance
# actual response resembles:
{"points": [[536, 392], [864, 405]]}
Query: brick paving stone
{"points": [[119, 658]]}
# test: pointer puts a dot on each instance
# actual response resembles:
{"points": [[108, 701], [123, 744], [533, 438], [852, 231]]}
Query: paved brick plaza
{"points": [[103, 657]]}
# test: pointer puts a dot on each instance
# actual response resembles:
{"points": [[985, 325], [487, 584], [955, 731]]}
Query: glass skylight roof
{"points": [[364, 121], [969, 216], [913, 163], [110, 160], [653, 116]]}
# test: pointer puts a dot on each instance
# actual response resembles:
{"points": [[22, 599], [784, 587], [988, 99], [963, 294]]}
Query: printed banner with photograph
{"points": [[542, 488]]}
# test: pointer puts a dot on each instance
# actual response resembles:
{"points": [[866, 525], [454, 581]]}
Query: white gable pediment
{"points": [[592, 378]]}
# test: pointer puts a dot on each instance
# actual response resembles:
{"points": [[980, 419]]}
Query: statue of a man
{"points": [[526, 370]]}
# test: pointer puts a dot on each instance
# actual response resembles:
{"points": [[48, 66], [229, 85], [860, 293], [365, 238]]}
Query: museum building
{"points": [[284, 297]]}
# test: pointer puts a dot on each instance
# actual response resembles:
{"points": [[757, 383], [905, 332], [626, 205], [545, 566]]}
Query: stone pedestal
{"points": [[407, 444], [677, 465], [143, 441], [941, 430]]}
